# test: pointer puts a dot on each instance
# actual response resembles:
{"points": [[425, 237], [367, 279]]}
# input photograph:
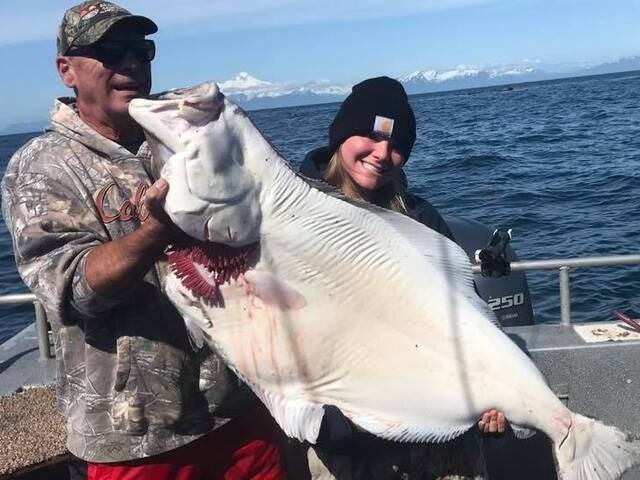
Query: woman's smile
{"points": [[376, 168]]}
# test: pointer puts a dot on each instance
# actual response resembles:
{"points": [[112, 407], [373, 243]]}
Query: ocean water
{"points": [[558, 162]]}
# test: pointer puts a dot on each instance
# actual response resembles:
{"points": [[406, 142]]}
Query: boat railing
{"points": [[563, 266], [42, 329]]}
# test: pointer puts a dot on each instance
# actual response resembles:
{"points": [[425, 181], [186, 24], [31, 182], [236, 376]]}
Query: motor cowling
{"points": [[507, 295]]}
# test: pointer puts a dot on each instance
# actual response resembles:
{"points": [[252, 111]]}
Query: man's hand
{"points": [[112, 268], [492, 421], [158, 222]]}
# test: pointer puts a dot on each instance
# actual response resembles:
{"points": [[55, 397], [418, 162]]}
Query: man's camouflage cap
{"points": [[86, 23]]}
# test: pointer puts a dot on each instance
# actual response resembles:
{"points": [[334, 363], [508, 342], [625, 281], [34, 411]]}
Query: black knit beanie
{"points": [[377, 104]]}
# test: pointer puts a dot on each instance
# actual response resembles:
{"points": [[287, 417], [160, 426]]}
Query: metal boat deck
{"points": [[21, 365], [33, 431]]}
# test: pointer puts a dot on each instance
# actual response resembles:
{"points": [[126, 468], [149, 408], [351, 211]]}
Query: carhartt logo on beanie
{"points": [[377, 104]]}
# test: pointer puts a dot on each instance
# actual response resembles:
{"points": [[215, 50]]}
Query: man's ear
{"points": [[66, 71]]}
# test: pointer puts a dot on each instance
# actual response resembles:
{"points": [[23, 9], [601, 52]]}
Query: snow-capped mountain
{"points": [[422, 81], [421, 76], [253, 93], [244, 81]]}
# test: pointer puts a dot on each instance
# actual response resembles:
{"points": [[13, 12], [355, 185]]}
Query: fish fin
{"points": [[197, 337], [297, 418], [522, 432], [326, 188], [409, 433], [273, 291], [439, 249], [436, 247], [595, 451], [442, 252], [335, 192]]}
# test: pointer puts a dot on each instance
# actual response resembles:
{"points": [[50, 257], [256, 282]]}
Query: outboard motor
{"points": [[506, 292]]}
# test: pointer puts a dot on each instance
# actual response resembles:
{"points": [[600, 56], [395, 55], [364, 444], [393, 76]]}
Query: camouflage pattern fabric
{"points": [[129, 382], [86, 23]]}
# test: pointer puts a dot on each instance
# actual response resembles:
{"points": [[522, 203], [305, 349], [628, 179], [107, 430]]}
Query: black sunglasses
{"points": [[111, 53]]}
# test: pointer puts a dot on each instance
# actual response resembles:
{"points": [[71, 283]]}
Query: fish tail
{"points": [[592, 450]]}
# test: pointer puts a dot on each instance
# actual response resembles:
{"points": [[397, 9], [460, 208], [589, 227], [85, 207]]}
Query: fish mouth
{"points": [[228, 200], [202, 267]]}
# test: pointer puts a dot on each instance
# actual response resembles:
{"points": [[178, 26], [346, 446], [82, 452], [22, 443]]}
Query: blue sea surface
{"points": [[557, 161]]}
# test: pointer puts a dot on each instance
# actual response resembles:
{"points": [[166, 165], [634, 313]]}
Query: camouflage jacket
{"points": [[129, 382]]}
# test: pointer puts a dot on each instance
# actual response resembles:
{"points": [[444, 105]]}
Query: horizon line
{"points": [[340, 97]]}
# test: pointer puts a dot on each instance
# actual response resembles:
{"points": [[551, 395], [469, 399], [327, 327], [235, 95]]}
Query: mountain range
{"points": [[254, 94]]}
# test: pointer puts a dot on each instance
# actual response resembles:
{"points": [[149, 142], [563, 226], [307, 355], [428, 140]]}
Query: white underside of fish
{"points": [[370, 311], [370, 319]]}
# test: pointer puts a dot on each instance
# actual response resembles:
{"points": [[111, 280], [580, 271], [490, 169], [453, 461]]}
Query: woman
{"points": [[370, 140]]}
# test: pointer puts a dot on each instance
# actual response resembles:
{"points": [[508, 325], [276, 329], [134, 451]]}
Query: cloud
{"points": [[29, 20]]}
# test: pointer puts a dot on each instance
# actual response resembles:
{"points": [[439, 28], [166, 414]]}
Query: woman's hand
{"points": [[492, 421]]}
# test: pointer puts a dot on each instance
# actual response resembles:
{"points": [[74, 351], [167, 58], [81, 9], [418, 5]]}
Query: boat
{"points": [[592, 367]]}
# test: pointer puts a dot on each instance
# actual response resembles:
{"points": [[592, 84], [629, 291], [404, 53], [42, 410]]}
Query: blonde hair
{"points": [[391, 196]]}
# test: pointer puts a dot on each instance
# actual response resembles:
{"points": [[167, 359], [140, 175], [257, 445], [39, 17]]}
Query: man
{"points": [[89, 233]]}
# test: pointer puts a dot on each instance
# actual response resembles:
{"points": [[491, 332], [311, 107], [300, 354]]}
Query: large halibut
{"points": [[313, 300]]}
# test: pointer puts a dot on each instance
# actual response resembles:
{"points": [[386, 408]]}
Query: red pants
{"points": [[247, 448]]}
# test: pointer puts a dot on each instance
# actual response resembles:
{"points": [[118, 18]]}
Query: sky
{"points": [[342, 41]]}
